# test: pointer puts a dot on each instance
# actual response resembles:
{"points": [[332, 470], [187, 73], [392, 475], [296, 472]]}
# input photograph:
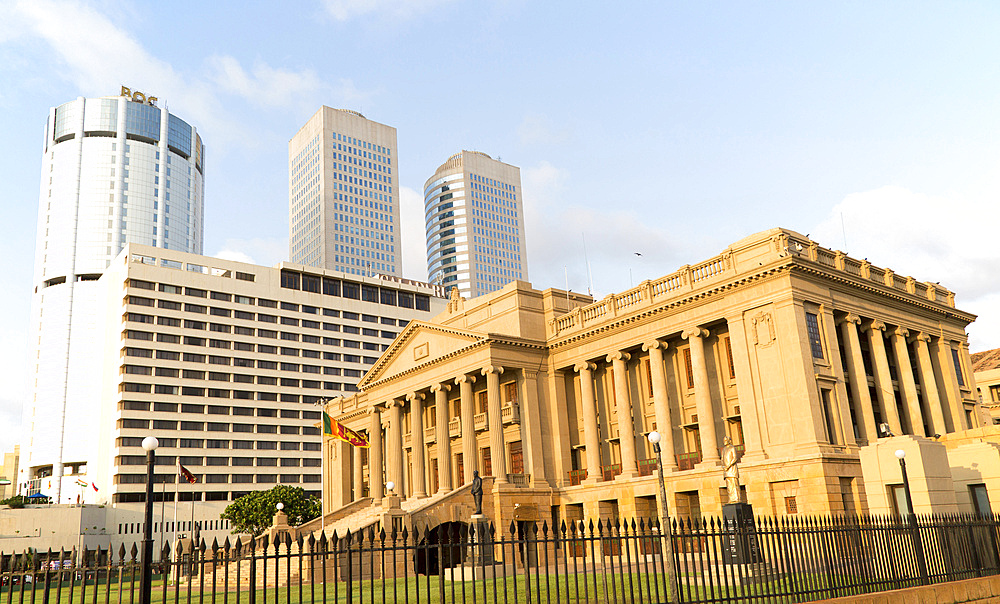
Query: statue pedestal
{"points": [[479, 560], [740, 545]]}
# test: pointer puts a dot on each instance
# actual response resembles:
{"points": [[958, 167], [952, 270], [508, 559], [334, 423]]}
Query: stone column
{"points": [[751, 414], [417, 443], [376, 476], [702, 395], [941, 350], [498, 451], [626, 428], [661, 403], [883, 379], [590, 432], [470, 461], [907, 386], [842, 409], [394, 446], [531, 428], [858, 377], [928, 384], [359, 472], [442, 436]]}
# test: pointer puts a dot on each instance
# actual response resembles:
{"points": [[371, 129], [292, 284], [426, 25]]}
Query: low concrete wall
{"points": [[985, 589]]}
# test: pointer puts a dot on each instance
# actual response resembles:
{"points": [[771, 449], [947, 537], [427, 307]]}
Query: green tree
{"points": [[254, 512]]}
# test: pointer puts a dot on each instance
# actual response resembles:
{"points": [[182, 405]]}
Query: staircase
{"points": [[362, 514]]}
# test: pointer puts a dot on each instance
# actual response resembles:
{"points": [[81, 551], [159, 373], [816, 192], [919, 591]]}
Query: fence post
{"points": [[918, 548], [253, 571]]}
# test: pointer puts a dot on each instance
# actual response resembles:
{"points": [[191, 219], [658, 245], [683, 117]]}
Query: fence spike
{"points": [[545, 528], [202, 547], [405, 534], [263, 543], [512, 529], [134, 552], [492, 530], [225, 544], [322, 538]]}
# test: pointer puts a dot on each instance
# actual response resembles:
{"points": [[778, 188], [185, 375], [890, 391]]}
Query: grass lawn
{"points": [[582, 587]]}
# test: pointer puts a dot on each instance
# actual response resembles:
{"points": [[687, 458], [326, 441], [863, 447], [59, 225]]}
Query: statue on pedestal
{"points": [[731, 471], [477, 492]]}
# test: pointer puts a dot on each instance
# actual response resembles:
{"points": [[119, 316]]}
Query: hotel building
{"points": [[224, 362], [343, 196], [115, 170], [474, 218], [796, 352]]}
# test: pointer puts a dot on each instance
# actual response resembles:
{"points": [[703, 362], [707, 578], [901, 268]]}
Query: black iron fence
{"points": [[769, 560]]}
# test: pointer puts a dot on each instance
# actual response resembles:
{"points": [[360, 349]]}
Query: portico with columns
{"points": [[797, 353]]}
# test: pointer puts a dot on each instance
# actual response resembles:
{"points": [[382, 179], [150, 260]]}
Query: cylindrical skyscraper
{"points": [[475, 224], [115, 170]]}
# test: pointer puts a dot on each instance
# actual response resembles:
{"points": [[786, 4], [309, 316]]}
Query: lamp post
{"points": [[654, 438], [149, 444], [918, 546]]}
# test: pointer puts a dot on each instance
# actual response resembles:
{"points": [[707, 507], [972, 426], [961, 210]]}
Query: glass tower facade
{"points": [[343, 200], [475, 224], [114, 171]]}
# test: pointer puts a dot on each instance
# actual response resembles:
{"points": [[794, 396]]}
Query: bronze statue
{"points": [[731, 471], [477, 492]]}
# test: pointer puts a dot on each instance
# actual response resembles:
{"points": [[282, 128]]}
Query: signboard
{"points": [[138, 97]]}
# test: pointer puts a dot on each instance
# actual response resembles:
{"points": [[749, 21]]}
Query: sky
{"points": [[668, 129]]}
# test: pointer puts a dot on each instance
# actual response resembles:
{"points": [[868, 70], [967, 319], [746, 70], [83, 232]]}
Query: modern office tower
{"points": [[115, 170], [475, 224], [343, 199], [224, 363]]}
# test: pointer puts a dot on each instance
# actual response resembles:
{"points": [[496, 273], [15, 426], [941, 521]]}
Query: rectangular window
{"points": [[815, 343], [729, 357], [688, 369], [958, 367]]}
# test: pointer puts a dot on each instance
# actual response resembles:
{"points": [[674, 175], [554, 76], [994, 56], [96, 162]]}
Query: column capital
{"points": [[396, 402], [465, 379], [873, 325], [529, 374], [919, 336], [901, 332], [653, 345], [695, 332], [618, 355], [415, 396], [849, 318], [435, 388], [584, 366], [492, 369]]}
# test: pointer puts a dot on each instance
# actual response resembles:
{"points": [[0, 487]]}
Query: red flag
{"points": [[186, 474], [332, 427]]}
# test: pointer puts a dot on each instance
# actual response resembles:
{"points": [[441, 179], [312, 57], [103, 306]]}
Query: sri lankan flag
{"points": [[338, 430]]}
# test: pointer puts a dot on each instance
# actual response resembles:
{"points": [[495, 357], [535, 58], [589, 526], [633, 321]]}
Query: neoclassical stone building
{"points": [[797, 352]]}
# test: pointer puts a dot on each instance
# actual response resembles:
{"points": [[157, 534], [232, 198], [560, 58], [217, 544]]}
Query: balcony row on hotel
{"points": [[798, 363]]}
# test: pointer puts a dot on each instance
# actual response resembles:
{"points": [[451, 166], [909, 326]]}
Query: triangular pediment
{"points": [[419, 344]]}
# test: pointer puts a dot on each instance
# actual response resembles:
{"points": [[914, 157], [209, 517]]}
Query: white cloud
{"points": [[265, 85], [564, 237], [98, 56], [413, 234], [935, 238], [536, 129], [262, 251], [344, 10]]}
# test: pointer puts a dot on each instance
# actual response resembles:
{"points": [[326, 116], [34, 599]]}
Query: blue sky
{"points": [[669, 129]]}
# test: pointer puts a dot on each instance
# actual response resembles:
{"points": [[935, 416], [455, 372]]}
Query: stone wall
{"points": [[985, 589]]}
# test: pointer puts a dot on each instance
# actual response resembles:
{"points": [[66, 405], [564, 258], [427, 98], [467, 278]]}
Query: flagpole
{"points": [[177, 486], [163, 506]]}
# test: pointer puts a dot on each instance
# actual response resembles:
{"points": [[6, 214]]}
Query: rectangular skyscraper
{"points": [[343, 199], [475, 224]]}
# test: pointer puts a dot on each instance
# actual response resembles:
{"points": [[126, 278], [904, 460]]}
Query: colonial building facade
{"points": [[799, 353]]}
